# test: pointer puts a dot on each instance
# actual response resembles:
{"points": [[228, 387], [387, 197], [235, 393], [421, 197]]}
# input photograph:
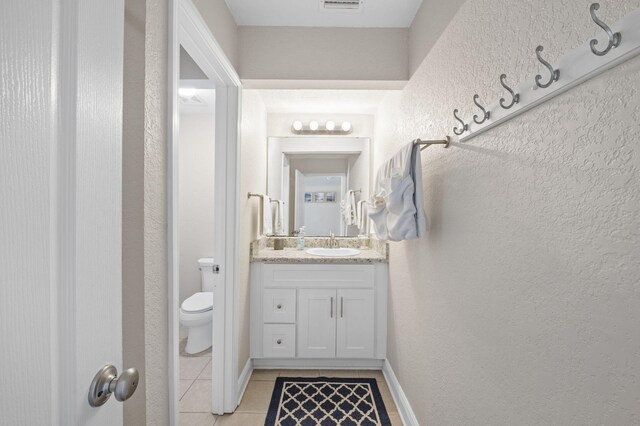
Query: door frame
{"points": [[188, 29]]}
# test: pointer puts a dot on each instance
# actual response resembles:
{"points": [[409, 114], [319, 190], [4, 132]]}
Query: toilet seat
{"points": [[197, 303]]}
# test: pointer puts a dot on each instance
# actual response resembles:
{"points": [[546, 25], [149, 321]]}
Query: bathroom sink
{"points": [[333, 252]]}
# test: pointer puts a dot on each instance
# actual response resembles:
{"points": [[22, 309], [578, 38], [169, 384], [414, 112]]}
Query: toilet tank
{"points": [[206, 273]]}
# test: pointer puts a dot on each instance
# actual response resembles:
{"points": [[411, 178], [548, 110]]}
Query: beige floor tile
{"points": [[191, 367], [298, 373], [339, 373], [207, 373], [197, 419], [198, 398], [184, 386], [395, 419], [241, 419], [256, 398], [371, 374], [268, 375], [183, 344], [386, 397]]}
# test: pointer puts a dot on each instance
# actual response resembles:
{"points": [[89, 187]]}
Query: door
{"points": [[60, 208], [355, 329], [299, 210], [316, 323]]}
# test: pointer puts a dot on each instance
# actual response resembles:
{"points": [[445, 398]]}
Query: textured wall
{"points": [[294, 53], [222, 25], [155, 214], [253, 167], [196, 204], [522, 304], [432, 18], [133, 206]]}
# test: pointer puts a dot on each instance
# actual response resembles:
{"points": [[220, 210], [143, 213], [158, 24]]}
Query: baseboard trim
{"points": [[244, 378], [402, 403], [318, 364]]}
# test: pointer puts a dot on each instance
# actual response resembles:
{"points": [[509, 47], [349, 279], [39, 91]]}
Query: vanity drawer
{"points": [[279, 341], [279, 305]]}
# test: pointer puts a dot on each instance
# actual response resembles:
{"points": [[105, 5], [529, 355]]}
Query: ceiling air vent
{"points": [[341, 4]]}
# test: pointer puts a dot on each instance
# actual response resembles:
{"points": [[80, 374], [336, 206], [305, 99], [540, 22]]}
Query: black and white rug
{"points": [[326, 401]]}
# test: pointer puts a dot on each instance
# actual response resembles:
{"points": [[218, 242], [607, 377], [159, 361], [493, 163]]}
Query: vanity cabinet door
{"points": [[356, 323], [316, 323]]}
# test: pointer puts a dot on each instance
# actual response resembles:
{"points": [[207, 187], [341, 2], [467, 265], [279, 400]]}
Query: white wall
{"points": [[320, 218], [253, 178], [430, 21], [521, 306], [295, 53], [222, 25], [196, 205]]}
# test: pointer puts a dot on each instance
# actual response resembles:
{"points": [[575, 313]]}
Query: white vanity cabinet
{"points": [[318, 314]]}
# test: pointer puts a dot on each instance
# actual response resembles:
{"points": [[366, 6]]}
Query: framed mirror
{"points": [[321, 182]]}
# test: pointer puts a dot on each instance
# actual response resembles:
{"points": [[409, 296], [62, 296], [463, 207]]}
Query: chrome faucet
{"points": [[332, 242]]}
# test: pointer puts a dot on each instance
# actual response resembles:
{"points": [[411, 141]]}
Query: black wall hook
{"points": [[515, 97], [465, 126], [485, 114], [555, 74], [614, 39]]}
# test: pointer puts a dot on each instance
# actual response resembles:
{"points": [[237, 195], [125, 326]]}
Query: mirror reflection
{"points": [[322, 183]]}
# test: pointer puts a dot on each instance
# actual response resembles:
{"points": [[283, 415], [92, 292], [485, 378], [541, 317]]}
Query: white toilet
{"points": [[196, 312]]}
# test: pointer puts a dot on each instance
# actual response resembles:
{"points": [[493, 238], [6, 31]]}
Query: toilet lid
{"points": [[199, 302]]}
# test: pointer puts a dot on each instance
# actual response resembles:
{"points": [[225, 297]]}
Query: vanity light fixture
{"points": [[314, 128]]}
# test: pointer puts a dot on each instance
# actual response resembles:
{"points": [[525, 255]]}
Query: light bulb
{"points": [[313, 126], [186, 92], [297, 125], [330, 125], [346, 126]]}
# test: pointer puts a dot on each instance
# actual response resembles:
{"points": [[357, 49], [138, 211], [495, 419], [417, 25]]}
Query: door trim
{"points": [[187, 29]]}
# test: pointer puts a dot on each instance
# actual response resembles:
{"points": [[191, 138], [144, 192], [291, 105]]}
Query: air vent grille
{"points": [[342, 4]]}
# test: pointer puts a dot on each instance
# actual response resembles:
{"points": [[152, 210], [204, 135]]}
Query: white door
{"points": [[316, 323], [299, 210], [60, 208], [355, 333]]}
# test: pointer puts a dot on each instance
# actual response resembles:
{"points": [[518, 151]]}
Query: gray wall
{"points": [[222, 25], [521, 304], [295, 53]]}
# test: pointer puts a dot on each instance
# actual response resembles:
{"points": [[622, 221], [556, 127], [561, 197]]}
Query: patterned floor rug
{"points": [[326, 401]]}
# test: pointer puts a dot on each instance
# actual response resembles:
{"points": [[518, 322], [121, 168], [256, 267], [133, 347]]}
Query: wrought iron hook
{"points": [[515, 96], [485, 114], [465, 126], [555, 74], [614, 39]]}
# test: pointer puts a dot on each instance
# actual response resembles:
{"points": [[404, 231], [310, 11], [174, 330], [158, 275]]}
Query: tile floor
{"points": [[195, 390]]}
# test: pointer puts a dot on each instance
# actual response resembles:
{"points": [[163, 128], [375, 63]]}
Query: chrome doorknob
{"points": [[107, 382]]}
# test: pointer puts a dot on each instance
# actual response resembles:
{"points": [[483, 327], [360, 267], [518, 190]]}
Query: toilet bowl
{"points": [[196, 312]]}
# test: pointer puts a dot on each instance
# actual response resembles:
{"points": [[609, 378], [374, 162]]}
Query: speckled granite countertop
{"points": [[262, 251]]}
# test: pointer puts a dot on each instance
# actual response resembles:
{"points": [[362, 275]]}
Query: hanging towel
{"points": [[349, 208], [267, 218], [278, 217], [363, 218], [397, 206]]}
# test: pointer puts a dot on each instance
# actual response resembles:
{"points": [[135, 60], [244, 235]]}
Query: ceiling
{"points": [[311, 13], [323, 101]]}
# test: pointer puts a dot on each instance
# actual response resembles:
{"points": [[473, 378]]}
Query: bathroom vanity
{"points": [[318, 312]]}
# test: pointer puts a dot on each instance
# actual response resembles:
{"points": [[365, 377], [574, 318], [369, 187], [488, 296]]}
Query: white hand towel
{"points": [[278, 217], [396, 208], [267, 218]]}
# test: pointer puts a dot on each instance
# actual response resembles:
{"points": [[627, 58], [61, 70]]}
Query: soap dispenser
{"points": [[301, 238]]}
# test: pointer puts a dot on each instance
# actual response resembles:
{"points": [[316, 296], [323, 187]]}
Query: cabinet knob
{"points": [[279, 341], [279, 306]]}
